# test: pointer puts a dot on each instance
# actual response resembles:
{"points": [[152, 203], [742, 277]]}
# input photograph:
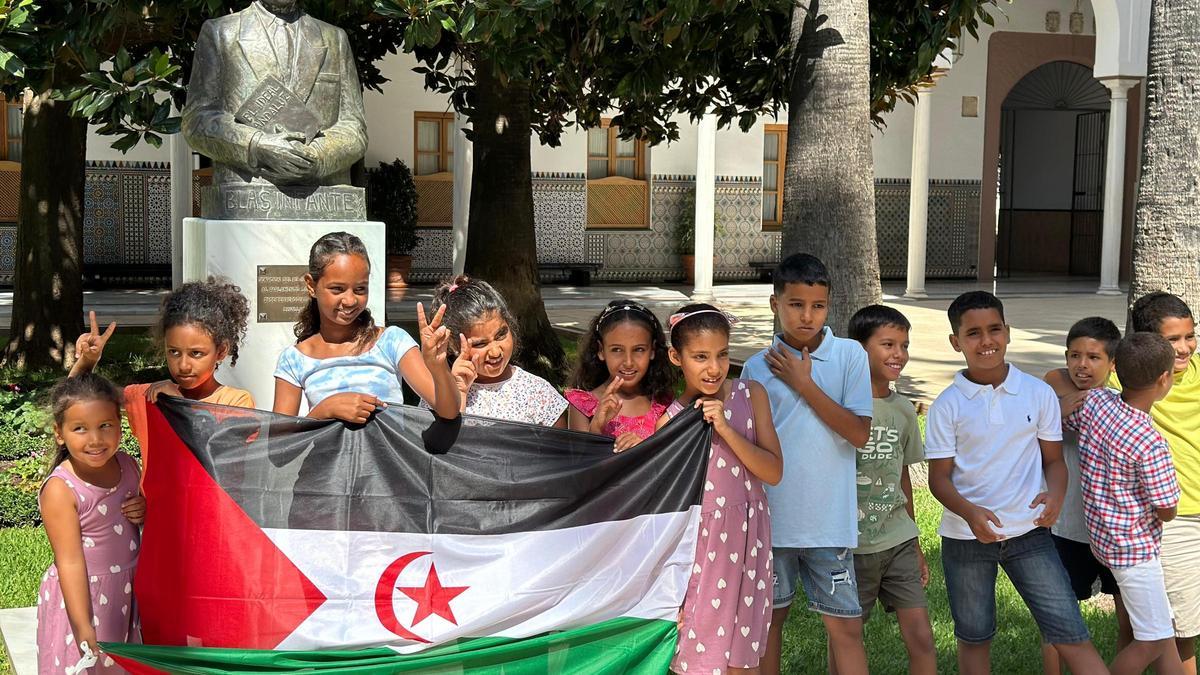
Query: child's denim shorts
{"points": [[1032, 564], [827, 575]]}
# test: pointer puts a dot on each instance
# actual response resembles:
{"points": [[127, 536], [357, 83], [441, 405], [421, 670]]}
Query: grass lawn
{"points": [[1016, 648], [25, 553]]}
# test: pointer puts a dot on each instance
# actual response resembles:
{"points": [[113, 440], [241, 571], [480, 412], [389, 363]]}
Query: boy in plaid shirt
{"points": [[1129, 490]]}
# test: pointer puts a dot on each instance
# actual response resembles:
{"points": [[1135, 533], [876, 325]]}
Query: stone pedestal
{"points": [[266, 259]]}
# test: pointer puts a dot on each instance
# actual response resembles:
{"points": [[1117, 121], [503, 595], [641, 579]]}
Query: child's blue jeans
{"points": [[1032, 564]]}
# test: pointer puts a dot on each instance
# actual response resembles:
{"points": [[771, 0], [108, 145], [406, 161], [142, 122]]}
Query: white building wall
{"points": [[390, 112], [956, 144], [99, 149]]}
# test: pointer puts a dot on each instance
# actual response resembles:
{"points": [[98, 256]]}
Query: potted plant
{"points": [[685, 236], [392, 200]]}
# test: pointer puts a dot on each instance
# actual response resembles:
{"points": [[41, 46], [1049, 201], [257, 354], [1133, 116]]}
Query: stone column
{"points": [[181, 201], [706, 183], [918, 196], [463, 162], [1114, 185]]}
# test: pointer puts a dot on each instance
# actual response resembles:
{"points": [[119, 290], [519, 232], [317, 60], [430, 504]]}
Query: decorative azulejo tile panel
{"points": [[126, 217], [648, 255], [431, 258], [101, 218], [127, 213], [8, 253], [560, 217], [952, 239]]}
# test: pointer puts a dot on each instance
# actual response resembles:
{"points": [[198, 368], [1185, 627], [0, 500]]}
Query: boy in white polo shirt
{"points": [[820, 391], [994, 442]]}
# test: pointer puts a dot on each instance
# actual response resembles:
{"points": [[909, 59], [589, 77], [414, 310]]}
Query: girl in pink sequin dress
{"points": [[91, 509], [727, 609], [624, 380]]}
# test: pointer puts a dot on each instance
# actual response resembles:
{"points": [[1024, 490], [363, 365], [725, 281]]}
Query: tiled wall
{"points": [[952, 239], [126, 219], [649, 255]]}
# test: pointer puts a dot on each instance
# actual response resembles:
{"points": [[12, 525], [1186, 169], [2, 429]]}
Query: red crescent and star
{"points": [[432, 598]]}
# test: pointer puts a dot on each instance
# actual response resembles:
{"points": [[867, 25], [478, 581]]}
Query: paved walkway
{"points": [[18, 630], [1040, 314], [1039, 310]]}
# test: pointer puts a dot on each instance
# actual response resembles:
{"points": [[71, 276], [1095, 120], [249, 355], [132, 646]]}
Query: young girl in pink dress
{"points": [[727, 610], [91, 509], [624, 380]]}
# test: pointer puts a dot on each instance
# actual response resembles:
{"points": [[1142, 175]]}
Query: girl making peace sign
{"points": [[624, 381], [490, 384], [342, 363]]}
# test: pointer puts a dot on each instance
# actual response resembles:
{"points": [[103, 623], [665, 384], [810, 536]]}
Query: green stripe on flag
{"points": [[621, 645]]}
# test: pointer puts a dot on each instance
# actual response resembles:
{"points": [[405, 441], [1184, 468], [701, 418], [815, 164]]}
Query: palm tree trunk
{"points": [[1166, 236], [501, 247], [830, 205], [48, 287]]}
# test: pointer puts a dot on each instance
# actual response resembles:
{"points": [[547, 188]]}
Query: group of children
{"points": [[807, 483]]}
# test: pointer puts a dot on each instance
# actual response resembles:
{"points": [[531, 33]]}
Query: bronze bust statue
{"points": [[274, 99]]}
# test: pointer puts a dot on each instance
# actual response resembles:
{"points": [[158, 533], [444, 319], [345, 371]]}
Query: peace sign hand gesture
{"points": [[90, 346], [466, 366], [609, 407], [435, 338]]}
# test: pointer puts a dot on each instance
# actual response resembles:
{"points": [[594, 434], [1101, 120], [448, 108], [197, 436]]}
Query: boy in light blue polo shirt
{"points": [[820, 391]]}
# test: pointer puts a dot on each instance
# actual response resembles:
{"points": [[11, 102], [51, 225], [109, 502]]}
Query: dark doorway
{"points": [[1052, 147], [1087, 207]]}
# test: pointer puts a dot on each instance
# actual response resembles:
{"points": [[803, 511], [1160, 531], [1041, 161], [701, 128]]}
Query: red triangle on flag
{"points": [[208, 576]]}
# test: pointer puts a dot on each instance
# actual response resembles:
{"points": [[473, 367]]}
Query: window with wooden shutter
{"points": [[11, 123], [618, 194], [774, 154], [433, 166]]}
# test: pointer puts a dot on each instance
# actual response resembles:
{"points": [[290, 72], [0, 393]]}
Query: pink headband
{"points": [[680, 316]]}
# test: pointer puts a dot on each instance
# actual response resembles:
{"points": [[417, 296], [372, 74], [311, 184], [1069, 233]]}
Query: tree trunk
{"points": [[501, 247], [829, 206], [1166, 235], [48, 287]]}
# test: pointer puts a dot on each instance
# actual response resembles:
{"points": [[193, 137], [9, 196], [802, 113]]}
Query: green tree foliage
{"points": [[644, 60], [906, 38]]}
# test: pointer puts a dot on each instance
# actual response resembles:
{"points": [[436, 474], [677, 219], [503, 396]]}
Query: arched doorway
{"points": [[1053, 126]]}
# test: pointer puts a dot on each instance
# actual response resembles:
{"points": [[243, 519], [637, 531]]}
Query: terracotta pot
{"points": [[399, 268], [689, 267]]}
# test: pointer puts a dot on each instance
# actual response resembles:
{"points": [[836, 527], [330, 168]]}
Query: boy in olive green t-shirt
{"points": [[888, 562]]}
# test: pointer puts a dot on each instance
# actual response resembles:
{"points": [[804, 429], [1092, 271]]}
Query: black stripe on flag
{"points": [[405, 471]]}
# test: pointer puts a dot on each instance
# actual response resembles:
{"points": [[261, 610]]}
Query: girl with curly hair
{"points": [[201, 324]]}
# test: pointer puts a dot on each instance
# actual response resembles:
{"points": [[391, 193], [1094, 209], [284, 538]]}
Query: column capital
{"points": [[1120, 86]]}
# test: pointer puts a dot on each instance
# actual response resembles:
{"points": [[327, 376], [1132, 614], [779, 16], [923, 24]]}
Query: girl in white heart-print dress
{"points": [[91, 509], [727, 610]]}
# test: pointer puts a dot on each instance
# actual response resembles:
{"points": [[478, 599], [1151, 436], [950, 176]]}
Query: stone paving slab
{"points": [[18, 630], [1040, 315]]}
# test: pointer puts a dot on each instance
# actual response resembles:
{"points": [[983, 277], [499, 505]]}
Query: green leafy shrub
{"points": [[18, 507], [15, 446], [392, 200]]}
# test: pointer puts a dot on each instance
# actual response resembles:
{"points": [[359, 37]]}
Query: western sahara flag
{"points": [[276, 544]]}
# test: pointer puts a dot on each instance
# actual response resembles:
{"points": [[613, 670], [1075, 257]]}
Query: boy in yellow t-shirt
{"points": [[1177, 418]]}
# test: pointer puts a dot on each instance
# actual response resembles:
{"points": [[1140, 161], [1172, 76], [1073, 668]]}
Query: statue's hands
{"points": [[283, 155]]}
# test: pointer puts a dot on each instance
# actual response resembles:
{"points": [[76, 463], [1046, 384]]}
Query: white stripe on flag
{"points": [[518, 584]]}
